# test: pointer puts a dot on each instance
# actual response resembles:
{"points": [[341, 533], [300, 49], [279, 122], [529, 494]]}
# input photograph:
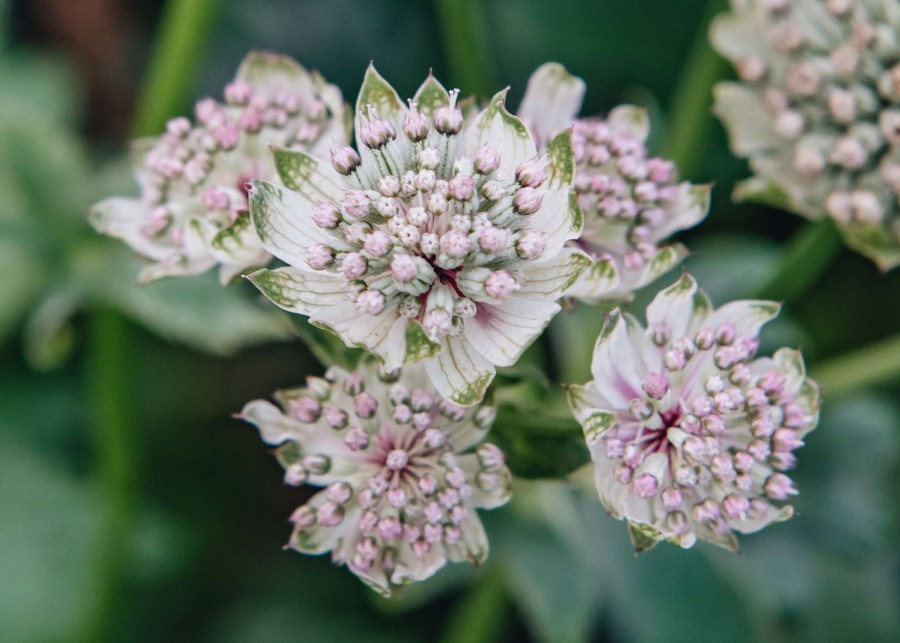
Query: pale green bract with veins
{"points": [[689, 431], [440, 239]]}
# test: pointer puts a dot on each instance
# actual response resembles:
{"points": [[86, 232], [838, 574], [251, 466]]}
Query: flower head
{"points": [[690, 433], [443, 244], [193, 212], [403, 472], [817, 112], [632, 202]]}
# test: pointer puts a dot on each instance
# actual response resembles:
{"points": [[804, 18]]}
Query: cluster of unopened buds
{"points": [[817, 111], [403, 472], [442, 244], [192, 213]]}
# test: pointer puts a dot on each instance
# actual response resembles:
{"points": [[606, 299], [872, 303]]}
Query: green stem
{"points": [[802, 262], [110, 396], [179, 44], [182, 38], [691, 119], [465, 45], [481, 615], [877, 363]]}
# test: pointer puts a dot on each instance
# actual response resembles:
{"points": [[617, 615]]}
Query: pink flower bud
{"points": [[500, 284], [487, 159]]}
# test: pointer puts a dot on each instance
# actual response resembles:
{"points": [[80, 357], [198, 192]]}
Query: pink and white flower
{"points": [[816, 111], [403, 472], [632, 202], [192, 213], [444, 243], [689, 432]]}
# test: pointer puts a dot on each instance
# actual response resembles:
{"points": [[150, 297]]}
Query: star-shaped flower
{"points": [[689, 433], [440, 239], [632, 202], [192, 213], [403, 472]]}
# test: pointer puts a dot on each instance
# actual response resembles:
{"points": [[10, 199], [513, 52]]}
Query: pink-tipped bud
{"points": [[370, 302], [656, 385], [327, 215], [345, 160], [671, 498], [365, 405], [500, 284], [354, 265], [493, 239], [456, 244], [735, 507], [487, 159], [306, 409], [527, 201], [448, 120], [437, 323], [461, 187], [531, 245], [531, 173], [779, 487], [319, 256], [376, 133], [646, 485], [356, 439], [415, 124], [404, 268], [378, 243]]}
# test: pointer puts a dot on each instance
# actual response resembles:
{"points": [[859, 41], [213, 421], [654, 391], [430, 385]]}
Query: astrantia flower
{"points": [[689, 433], [403, 472], [192, 213], [439, 240], [817, 111], [632, 202]]}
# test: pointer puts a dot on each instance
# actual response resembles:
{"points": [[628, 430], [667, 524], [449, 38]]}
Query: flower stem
{"points": [[182, 38], [109, 393], [465, 45], [877, 363], [803, 261], [481, 615], [691, 119], [185, 25]]}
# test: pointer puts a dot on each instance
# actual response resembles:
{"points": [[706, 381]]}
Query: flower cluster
{"points": [[817, 111], [403, 472], [193, 212], [441, 239], [632, 202], [690, 433]]}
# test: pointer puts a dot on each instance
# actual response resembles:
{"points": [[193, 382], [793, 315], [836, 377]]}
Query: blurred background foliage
{"points": [[178, 537]]}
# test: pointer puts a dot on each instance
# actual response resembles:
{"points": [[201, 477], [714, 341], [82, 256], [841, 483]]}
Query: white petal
{"points": [[630, 120], [283, 221], [459, 373], [123, 218], [689, 209], [559, 217], [619, 363], [269, 72], [681, 308], [485, 498], [746, 118], [598, 282], [316, 180], [507, 134], [238, 247], [501, 333], [383, 334], [747, 316], [552, 101], [473, 546], [301, 291], [410, 568], [551, 279]]}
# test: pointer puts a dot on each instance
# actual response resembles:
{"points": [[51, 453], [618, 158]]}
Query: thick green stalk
{"points": [[878, 363], [690, 114], [802, 262], [481, 615], [465, 46], [179, 44]]}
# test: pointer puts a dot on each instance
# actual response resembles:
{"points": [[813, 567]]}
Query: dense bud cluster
{"points": [[445, 236], [403, 472], [817, 111], [632, 202], [690, 433], [193, 210]]}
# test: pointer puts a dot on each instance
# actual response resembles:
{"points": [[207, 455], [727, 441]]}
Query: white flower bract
{"points": [[192, 213], [403, 472], [689, 432], [439, 239]]}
